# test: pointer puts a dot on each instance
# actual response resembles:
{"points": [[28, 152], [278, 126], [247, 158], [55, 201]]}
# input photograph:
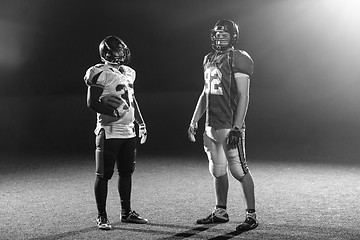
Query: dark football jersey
{"points": [[220, 86]]}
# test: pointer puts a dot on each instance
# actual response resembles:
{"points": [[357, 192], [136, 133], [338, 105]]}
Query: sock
{"points": [[250, 210], [219, 206]]}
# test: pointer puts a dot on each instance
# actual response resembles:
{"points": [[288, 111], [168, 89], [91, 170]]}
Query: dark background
{"points": [[304, 98]]}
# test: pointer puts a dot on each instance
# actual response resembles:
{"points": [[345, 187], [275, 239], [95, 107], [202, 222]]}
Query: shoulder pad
{"points": [[242, 62], [93, 73], [128, 71]]}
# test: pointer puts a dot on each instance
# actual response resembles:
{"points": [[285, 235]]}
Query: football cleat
{"points": [[133, 217], [218, 215], [249, 223], [103, 223]]}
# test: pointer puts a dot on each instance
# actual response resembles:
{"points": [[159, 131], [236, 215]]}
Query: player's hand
{"points": [[117, 114], [118, 104], [233, 138], [142, 133], [113, 101], [192, 131]]}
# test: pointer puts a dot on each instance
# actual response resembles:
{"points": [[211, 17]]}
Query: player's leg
{"points": [[251, 221], [221, 184], [240, 171], [126, 166], [104, 168], [218, 169], [247, 184], [248, 188]]}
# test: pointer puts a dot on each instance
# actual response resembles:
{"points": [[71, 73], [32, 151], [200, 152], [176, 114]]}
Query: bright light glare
{"points": [[345, 11], [343, 6]]}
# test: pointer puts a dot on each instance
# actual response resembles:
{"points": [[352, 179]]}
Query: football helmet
{"points": [[217, 38], [114, 50]]}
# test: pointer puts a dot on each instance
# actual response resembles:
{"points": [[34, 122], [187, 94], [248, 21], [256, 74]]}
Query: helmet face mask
{"points": [[222, 39], [224, 35], [114, 51]]}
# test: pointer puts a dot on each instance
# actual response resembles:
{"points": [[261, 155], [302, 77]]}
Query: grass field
{"points": [[52, 198]]}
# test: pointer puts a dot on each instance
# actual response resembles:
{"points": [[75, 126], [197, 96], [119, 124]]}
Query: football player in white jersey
{"points": [[111, 95], [224, 99]]}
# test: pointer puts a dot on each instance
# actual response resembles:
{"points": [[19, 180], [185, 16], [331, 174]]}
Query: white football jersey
{"points": [[114, 82]]}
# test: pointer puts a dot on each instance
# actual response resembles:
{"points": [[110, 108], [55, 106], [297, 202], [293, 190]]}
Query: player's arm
{"points": [[140, 121], [198, 112], [201, 103], [138, 117], [199, 109], [94, 103], [243, 67], [243, 84]]}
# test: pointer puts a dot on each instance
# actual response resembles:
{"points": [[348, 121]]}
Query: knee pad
{"points": [[100, 169], [238, 170], [127, 170], [217, 170], [108, 175]]}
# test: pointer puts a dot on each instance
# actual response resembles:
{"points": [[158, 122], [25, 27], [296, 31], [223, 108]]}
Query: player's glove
{"points": [[233, 138], [142, 133], [117, 114], [192, 131], [117, 103]]}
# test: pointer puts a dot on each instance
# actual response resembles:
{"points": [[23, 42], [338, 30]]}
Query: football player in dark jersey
{"points": [[111, 95], [225, 99]]}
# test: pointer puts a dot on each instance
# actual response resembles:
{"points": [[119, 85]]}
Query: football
{"points": [[115, 102]]}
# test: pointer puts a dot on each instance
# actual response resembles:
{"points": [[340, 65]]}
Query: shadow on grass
{"points": [[66, 234], [227, 235], [135, 228], [178, 232], [188, 233]]}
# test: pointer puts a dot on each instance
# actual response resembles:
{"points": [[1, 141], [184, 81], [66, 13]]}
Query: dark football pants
{"points": [[109, 152]]}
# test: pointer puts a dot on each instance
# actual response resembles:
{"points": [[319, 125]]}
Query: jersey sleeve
{"points": [[95, 76], [243, 63]]}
